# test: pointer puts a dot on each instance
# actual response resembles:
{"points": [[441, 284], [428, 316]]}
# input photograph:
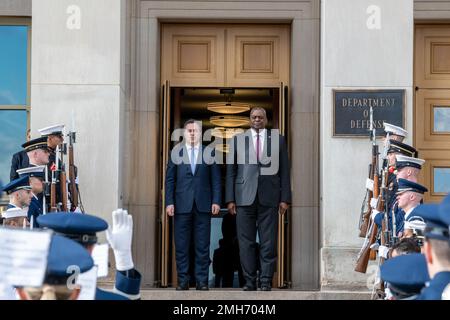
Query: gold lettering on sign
{"points": [[368, 102], [365, 124]]}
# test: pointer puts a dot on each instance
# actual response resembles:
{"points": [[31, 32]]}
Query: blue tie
{"points": [[192, 160]]}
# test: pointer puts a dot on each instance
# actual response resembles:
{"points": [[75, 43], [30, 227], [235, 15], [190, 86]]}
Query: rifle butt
{"points": [[63, 191]]}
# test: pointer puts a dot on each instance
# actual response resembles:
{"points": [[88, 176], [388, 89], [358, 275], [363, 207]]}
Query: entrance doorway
{"points": [[208, 63], [209, 106]]}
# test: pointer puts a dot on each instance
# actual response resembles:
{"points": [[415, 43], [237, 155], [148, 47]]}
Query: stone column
{"points": [[355, 56]]}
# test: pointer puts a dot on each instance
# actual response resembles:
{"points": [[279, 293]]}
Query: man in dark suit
{"points": [[192, 193], [257, 188]]}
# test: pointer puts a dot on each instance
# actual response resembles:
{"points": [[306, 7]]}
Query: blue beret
{"points": [[17, 184], [406, 185], [77, 226], [435, 228], [64, 253], [406, 274]]}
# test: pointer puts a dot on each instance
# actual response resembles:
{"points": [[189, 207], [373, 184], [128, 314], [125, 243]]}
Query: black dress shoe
{"points": [[183, 286], [202, 286], [266, 287], [249, 288]]}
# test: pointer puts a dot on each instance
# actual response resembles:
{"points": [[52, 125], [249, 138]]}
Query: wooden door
{"points": [[193, 55], [225, 55], [432, 107], [257, 56]]}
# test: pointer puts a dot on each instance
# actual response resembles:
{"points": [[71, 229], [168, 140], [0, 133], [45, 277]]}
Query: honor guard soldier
{"points": [[394, 132], [55, 137], [405, 275], [436, 247], [408, 167], [409, 196], [395, 148], [63, 255], [19, 192], [36, 175], [37, 153], [83, 229]]}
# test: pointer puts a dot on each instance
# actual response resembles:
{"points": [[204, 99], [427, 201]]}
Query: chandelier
{"points": [[228, 107], [225, 133], [229, 121]]}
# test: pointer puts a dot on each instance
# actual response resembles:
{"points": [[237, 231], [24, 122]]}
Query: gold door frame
{"points": [[280, 274], [165, 149]]}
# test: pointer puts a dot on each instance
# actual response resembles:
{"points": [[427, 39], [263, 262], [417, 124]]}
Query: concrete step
{"points": [[238, 294]]}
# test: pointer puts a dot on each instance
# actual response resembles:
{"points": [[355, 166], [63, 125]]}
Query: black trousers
{"points": [[250, 219]]}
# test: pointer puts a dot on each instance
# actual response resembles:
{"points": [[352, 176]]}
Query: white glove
{"points": [[374, 214], [375, 246], [369, 184], [383, 252], [374, 203], [120, 238]]}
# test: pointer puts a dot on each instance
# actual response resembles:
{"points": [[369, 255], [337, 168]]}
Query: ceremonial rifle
{"points": [[366, 253], [72, 174]]}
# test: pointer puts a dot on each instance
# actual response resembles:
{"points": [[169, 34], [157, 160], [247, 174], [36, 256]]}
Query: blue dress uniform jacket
{"points": [[19, 160], [392, 187], [436, 286], [36, 208], [107, 295], [127, 287]]}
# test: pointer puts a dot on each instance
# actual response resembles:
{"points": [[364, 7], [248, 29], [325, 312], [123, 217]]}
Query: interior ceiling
{"points": [[195, 100]]}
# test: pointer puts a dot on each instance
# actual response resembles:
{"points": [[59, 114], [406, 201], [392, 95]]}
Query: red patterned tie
{"points": [[257, 147]]}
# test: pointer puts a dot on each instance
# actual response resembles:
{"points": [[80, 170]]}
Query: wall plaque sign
{"points": [[351, 111]]}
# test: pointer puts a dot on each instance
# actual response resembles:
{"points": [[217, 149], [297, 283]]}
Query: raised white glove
{"points": [[119, 238], [374, 203], [383, 252], [374, 246]]}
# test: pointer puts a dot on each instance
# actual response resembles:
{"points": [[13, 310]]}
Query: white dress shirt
{"points": [[196, 149]]}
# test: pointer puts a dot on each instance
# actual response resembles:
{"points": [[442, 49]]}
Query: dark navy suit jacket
{"points": [[183, 188], [19, 160]]}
